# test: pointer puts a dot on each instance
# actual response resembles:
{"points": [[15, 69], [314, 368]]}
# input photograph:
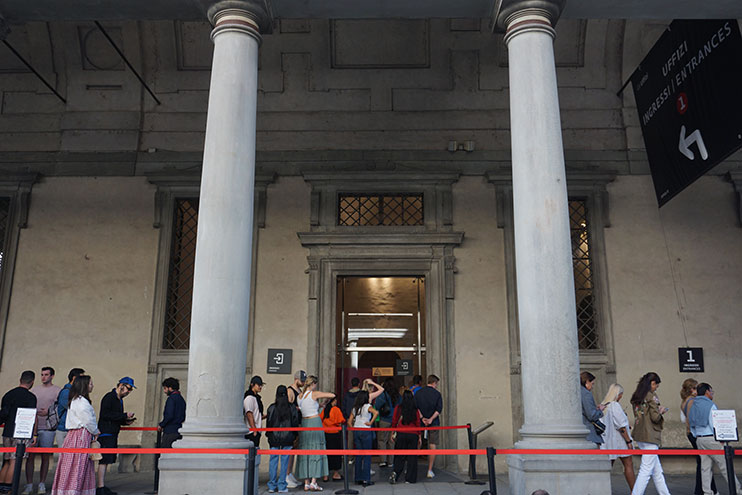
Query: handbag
{"points": [[95, 456], [599, 426]]}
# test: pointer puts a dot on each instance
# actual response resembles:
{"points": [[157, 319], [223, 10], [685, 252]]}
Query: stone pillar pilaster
{"points": [[546, 299], [221, 285], [4, 29]]}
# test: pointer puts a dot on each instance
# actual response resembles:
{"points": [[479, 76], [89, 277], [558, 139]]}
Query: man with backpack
{"points": [[46, 419], [63, 404]]}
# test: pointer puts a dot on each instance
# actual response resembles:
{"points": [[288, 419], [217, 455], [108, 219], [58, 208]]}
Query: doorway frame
{"points": [[428, 255]]}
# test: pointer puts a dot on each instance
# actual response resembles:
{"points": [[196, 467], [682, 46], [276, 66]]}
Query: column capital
{"points": [[259, 12], [506, 11]]}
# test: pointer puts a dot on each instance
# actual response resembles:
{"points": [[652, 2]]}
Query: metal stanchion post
{"points": [[251, 474], [729, 457], [346, 488], [20, 450], [491, 471], [472, 458], [158, 444]]}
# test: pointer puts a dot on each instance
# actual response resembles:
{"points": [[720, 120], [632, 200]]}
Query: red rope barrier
{"points": [[136, 450]]}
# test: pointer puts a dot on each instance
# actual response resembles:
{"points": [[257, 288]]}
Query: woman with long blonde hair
{"points": [[617, 432], [311, 467]]}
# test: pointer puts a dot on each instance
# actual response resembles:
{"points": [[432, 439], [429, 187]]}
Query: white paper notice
{"points": [[725, 425], [24, 421]]}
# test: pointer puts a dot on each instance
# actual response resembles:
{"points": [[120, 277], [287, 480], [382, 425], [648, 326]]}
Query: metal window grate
{"points": [[180, 275], [4, 220], [587, 328], [380, 209]]}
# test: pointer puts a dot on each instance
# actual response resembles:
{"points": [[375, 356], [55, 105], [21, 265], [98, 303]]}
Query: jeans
{"points": [[650, 468], [277, 479], [257, 470], [362, 441]]}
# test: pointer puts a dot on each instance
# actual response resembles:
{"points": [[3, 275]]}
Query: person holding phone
{"points": [[111, 418], [647, 433]]}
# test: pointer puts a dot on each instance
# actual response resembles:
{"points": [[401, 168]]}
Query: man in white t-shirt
{"points": [[46, 395], [253, 408]]}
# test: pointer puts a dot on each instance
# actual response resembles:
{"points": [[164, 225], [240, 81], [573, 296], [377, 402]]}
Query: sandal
{"points": [[315, 487], [307, 487]]}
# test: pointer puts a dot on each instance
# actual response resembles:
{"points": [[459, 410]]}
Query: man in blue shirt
{"points": [[174, 414], [701, 426], [430, 404], [63, 404]]}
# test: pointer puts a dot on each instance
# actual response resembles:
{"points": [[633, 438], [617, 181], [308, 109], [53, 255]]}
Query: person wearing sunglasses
{"points": [[110, 420]]}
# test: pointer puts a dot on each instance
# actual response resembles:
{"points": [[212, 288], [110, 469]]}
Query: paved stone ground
{"points": [[446, 483]]}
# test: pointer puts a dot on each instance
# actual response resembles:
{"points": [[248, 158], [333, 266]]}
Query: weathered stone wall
{"points": [[84, 278]]}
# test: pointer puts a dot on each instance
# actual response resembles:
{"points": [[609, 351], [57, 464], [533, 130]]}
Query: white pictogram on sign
{"points": [[278, 358], [693, 137]]}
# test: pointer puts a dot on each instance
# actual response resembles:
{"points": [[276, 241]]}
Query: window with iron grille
{"points": [[380, 209], [587, 327], [180, 275]]}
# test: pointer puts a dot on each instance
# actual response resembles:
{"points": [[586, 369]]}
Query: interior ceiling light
{"points": [[376, 333]]}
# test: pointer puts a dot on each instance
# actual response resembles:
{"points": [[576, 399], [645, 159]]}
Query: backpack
{"points": [[52, 418]]}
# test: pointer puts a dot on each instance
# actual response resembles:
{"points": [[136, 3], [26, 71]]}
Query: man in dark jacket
{"points": [[17, 397], [174, 414], [110, 420]]}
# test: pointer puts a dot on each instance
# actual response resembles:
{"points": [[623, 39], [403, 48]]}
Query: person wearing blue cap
{"points": [[110, 420]]}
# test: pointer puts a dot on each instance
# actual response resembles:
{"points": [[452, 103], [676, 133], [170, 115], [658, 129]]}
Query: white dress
{"points": [[614, 418]]}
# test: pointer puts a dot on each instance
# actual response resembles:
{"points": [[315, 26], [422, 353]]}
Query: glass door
{"points": [[380, 329]]}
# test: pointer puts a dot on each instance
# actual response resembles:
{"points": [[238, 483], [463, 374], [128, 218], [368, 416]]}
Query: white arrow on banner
{"points": [[685, 143]]}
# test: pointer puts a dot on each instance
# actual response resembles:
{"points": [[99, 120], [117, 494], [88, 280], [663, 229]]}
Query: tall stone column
{"points": [[546, 299], [221, 286]]}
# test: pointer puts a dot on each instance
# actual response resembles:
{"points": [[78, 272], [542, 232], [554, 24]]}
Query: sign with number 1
{"points": [[690, 359]]}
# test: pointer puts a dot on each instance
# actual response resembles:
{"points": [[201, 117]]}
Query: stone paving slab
{"points": [[142, 484]]}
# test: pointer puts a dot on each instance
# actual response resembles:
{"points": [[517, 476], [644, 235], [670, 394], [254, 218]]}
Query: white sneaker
{"points": [[431, 474], [42, 489], [373, 472], [291, 481], [28, 489]]}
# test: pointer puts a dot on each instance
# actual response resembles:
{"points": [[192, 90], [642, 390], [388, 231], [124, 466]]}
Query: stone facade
{"points": [[89, 261]]}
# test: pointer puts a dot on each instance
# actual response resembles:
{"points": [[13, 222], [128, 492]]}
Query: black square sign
{"points": [[687, 93], [690, 359], [279, 361], [404, 367]]}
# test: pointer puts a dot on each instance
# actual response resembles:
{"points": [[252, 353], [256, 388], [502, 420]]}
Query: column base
{"points": [[567, 474], [196, 474]]}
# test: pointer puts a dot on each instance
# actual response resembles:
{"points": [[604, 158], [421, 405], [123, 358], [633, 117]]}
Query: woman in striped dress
{"points": [[311, 467], [75, 473]]}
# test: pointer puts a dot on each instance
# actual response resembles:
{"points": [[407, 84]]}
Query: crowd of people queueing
{"points": [[66, 416], [365, 405], [609, 427]]}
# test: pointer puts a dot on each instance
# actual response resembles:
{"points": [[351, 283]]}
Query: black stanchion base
{"points": [[346, 492], [487, 492], [475, 482]]}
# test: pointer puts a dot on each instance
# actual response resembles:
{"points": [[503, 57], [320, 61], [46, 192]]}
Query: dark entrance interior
{"points": [[380, 329]]}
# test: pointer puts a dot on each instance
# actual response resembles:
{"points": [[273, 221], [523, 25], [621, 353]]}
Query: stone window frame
{"points": [[435, 187], [592, 187], [170, 188], [17, 188], [426, 251]]}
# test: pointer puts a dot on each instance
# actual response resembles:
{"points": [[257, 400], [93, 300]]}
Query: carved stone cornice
{"points": [[364, 238], [259, 11], [19, 188], [504, 11]]}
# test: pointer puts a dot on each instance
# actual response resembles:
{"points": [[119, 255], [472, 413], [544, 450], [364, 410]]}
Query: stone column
{"points": [[543, 253], [221, 286]]}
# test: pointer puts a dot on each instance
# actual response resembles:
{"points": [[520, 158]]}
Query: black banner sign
{"points": [[687, 93]]}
